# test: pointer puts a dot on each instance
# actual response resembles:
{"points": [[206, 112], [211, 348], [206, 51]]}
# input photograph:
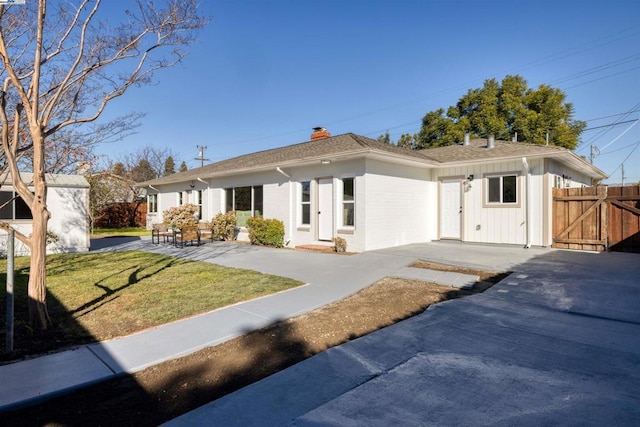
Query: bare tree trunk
{"points": [[38, 314]]}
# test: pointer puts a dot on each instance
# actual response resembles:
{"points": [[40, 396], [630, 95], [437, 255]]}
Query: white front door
{"points": [[325, 209], [450, 209]]}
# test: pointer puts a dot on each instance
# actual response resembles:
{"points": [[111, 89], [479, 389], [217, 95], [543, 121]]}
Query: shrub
{"points": [[339, 244], [181, 216], [223, 226], [266, 232]]}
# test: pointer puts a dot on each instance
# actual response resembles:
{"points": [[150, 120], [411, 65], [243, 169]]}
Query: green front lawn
{"points": [[119, 232], [97, 296]]}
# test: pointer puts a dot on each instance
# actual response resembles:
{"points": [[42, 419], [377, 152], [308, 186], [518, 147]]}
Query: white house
{"points": [[377, 195], [68, 203]]}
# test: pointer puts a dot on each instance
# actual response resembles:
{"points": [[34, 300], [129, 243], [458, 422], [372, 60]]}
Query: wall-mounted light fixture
{"points": [[470, 178], [192, 185], [325, 161]]}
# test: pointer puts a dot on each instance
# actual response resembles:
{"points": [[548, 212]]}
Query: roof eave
{"points": [[364, 152]]}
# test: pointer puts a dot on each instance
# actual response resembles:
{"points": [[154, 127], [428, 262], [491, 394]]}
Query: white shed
{"points": [[68, 203]]}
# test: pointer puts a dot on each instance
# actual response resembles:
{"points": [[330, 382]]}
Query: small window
{"points": [[305, 203], [152, 203], [348, 202], [502, 189], [199, 202], [13, 207], [228, 192], [180, 198]]}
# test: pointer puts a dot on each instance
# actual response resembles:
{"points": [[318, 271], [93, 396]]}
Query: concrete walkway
{"points": [[328, 278], [556, 343]]}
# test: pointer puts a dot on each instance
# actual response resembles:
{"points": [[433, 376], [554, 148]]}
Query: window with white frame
{"points": [[502, 189], [180, 198], [245, 201], [152, 203], [305, 203], [199, 202], [348, 202]]}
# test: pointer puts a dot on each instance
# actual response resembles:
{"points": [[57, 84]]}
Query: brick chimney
{"points": [[320, 133]]}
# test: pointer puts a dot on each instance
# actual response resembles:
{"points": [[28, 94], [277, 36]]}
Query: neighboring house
{"points": [[377, 195], [117, 201], [68, 203]]}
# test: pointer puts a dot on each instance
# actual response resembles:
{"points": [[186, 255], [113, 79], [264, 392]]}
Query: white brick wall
{"points": [[398, 205]]}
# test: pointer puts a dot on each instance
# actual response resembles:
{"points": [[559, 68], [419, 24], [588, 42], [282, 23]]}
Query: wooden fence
{"points": [[597, 218]]}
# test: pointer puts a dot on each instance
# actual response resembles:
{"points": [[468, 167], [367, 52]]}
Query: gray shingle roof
{"points": [[345, 144], [477, 151], [351, 144]]}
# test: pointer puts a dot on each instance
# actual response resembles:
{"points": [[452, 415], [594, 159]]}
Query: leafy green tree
{"points": [[385, 138], [504, 109], [169, 166], [407, 140], [183, 166]]}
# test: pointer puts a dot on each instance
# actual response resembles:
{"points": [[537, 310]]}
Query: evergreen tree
{"points": [[385, 138], [183, 167], [119, 169], [503, 110], [169, 166], [143, 171]]}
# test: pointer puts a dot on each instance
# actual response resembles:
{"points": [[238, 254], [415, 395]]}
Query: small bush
{"points": [[181, 216], [224, 226], [266, 232], [339, 244]]}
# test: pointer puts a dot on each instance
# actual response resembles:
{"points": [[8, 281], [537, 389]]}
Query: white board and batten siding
{"points": [[483, 223]]}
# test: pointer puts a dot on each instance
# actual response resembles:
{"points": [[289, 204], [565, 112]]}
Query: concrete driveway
{"points": [[556, 343]]}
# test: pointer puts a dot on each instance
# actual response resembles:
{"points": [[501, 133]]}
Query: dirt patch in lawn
{"points": [[170, 389], [486, 279]]}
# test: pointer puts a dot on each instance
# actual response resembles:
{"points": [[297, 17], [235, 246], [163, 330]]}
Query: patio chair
{"points": [[161, 230], [188, 233], [206, 230]]}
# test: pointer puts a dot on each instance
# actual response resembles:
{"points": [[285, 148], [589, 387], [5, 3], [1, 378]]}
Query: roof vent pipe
{"points": [[491, 141], [465, 141]]}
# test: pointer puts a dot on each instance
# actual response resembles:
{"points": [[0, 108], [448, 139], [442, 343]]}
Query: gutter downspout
{"points": [[288, 238], [527, 185]]}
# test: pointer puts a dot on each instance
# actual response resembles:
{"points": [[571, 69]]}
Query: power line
{"points": [[626, 158], [621, 135], [611, 125], [611, 115], [607, 129], [611, 38], [597, 69], [617, 149]]}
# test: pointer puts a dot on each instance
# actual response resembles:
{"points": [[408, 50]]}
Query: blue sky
{"points": [[263, 73]]}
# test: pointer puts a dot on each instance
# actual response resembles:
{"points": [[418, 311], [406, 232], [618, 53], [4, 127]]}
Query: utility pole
{"points": [[623, 174], [594, 153], [200, 157], [10, 290]]}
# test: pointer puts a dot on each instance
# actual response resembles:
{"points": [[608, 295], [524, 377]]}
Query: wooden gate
{"points": [[597, 218]]}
